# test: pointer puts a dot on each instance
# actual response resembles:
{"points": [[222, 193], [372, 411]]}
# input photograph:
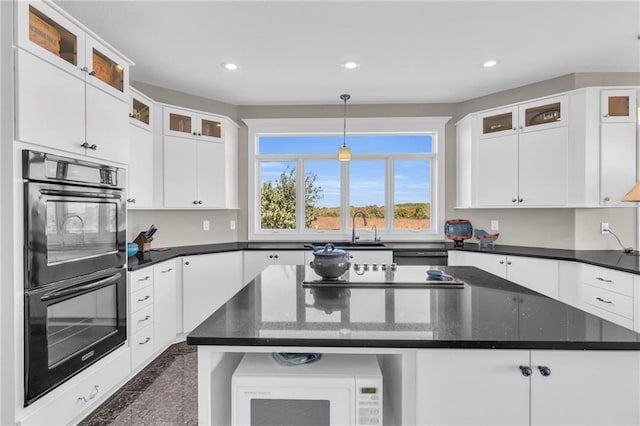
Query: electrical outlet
{"points": [[232, 224], [205, 225], [604, 228], [495, 226]]}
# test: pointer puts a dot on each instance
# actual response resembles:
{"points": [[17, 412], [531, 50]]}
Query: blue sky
{"points": [[366, 176]]}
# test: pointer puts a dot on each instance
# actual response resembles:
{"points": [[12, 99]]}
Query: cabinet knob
{"points": [[93, 73], [84, 69], [186, 263], [514, 129], [276, 256], [168, 270], [131, 115], [607, 199], [606, 115], [199, 201], [131, 200], [195, 134], [147, 340], [545, 371], [94, 147], [525, 370], [199, 134], [195, 201], [513, 200], [144, 298], [520, 200], [502, 262], [85, 145], [508, 262], [521, 127]]}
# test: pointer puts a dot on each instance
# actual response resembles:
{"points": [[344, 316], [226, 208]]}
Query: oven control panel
{"points": [[368, 401]]}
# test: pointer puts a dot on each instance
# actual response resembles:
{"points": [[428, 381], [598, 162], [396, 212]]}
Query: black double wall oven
{"points": [[74, 257]]}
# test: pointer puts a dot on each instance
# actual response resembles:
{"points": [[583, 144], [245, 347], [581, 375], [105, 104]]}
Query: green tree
{"points": [[278, 200]]}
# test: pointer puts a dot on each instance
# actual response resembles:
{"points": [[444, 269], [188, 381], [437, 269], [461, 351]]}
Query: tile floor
{"points": [[163, 393]]}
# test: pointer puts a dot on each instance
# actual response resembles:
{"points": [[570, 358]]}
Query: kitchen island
{"points": [[485, 347]]}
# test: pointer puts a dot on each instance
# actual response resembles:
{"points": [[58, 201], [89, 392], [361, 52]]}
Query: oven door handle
{"points": [[80, 194], [82, 289]]}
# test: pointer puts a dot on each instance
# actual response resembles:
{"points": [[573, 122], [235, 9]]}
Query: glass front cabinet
{"points": [[543, 114], [499, 122], [184, 123], [618, 106]]}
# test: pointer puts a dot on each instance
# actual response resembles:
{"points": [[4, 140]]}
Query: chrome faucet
{"points": [[353, 226], [375, 233]]}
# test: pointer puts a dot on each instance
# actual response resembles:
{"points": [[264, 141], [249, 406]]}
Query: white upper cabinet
{"points": [[71, 89], [512, 145], [192, 124], [141, 152], [618, 106], [577, 149], [199, 169]]}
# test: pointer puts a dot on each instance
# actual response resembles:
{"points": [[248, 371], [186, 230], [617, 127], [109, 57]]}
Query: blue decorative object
{"points": [[132, 249], [485, 239]]}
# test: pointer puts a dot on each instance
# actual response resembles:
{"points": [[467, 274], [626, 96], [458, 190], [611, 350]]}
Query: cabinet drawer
{"points": [[141, 318], [141, 298], [141, 346], [608, 279], [140, 279], [608, 301], [84, 392]]}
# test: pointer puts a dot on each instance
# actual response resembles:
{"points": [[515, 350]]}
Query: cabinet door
{"points": [[50, 36], [618, 106], [543, 114], [499, 122], [543, 164], [210, 169], [585, 388], [539, 275], [492, 263], [140, 190], [209, 128], [180, 174], [617, 161], [164, 298], [255, 262], [208, 282], [497, 165], [471, 387], [50, 106], [107, 126], [140, 110], [288, 257], [179, 122], [106, 69]]}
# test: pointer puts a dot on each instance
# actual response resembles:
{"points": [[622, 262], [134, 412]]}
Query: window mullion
{"points": [[389, 194], [300, 196]]}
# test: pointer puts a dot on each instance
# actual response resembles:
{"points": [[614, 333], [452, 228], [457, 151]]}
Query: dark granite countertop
{"points": [[488, 312], [614, 259]]}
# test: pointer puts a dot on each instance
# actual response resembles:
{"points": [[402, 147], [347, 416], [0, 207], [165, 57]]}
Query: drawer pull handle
{"points": [[525, 370], [545, 371], [92, 395], [144, 298], [168, 270], [147, 340], [603, 280], [602, 300], [144, 279], [145, 318]]}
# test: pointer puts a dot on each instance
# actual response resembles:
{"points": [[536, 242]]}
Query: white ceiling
{"points": [[289, 52]]}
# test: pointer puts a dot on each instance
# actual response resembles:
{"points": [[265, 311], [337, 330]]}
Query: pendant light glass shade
{"points": [[344, 153], [634, 194]]}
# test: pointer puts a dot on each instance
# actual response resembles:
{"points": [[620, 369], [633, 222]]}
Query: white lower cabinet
{"points": [[82, 393], [164, 303], [208, 282], [255, 261], [522, 387], [152, 310], [536, 274]]}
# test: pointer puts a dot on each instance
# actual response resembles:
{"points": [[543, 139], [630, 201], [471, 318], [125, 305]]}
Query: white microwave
{"points": [[336, 390]]}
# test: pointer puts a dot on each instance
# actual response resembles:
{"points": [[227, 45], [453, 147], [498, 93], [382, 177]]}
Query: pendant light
{"points": [[344, 153]]}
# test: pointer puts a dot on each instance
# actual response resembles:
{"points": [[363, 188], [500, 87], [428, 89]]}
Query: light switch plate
{"points": [[205, 225], [604, 227], [232, 224], [495, 226]]}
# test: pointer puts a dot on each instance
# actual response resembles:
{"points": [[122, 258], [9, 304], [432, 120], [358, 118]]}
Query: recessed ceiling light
{"points": [[350, 65], [491, 63], [229, 66]]}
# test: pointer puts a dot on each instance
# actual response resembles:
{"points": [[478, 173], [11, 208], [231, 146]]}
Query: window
{"points": [[299, 190]]}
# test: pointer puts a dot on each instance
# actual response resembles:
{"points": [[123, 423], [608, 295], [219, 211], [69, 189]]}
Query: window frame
{"points": [[435, 126]]}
